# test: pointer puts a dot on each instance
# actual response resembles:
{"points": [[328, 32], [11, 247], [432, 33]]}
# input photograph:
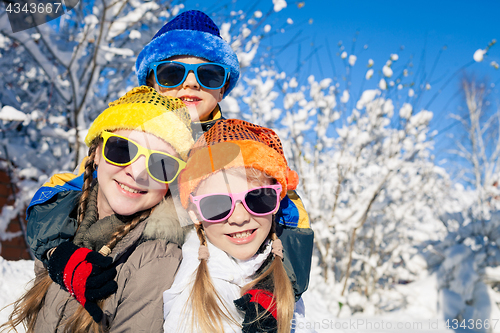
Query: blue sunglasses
{"points": [[171, 74]]}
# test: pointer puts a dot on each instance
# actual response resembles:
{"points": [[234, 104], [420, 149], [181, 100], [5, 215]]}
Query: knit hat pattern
{"points": [[232, 143], [191, 33], [144, 109]]}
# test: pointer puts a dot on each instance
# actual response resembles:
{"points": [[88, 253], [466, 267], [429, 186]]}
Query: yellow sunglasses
{"points": [[121, 151]]}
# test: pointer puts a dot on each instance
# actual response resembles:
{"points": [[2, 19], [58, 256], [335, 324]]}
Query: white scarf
{"points": [[228, 275]]}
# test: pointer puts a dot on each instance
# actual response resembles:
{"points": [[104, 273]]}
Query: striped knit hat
{"points": [[145, 110], [232, 143]]}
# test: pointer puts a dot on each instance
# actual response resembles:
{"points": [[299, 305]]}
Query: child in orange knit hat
{"points": [[232, 277]]}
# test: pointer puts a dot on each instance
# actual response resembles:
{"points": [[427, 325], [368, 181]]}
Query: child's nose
{"points": [[137, 170], [240, 215], [191, 81]]}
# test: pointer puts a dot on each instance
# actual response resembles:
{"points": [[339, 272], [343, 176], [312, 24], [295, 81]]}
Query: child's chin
{"points": [[243, 255], [127, 210], [193, 112], [201, 115]]}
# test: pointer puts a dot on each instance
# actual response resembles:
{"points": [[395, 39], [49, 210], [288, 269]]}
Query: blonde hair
{"points": [[27, 307], [207, 315]]}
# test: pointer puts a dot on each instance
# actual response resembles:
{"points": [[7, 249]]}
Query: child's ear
{"points": [[150, 80], [222, 91], [97, 156], [194, 216]]}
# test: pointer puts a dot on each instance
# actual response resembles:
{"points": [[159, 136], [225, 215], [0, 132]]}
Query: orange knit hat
{"points": [[232, 143]]}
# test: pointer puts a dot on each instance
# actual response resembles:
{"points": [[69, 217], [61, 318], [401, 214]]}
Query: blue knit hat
{"points": [[191, 33]]}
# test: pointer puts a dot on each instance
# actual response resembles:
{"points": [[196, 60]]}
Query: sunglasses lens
{"points": [[211, 75], [215, 207], [119, 150], [162, 167], [262, 200], [170, 74]]}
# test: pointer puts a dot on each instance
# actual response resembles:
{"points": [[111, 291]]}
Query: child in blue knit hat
{"points": [[188, 59]]}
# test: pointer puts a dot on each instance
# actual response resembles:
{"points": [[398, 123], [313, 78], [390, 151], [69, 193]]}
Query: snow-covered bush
{"points": [[368, 179]]}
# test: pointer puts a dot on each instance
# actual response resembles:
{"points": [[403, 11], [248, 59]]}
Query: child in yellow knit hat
{"points": [[128, 237]]}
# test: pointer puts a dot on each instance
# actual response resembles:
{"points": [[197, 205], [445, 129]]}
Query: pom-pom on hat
{"points": [[191, 33], [232, 143], [144, 109]]}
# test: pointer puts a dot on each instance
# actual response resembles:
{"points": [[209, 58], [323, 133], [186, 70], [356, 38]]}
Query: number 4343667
{"points": [[471, 324], [33, 8]]}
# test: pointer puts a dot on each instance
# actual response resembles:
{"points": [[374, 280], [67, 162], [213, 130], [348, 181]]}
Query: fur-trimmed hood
{"points": [[168, 221]]}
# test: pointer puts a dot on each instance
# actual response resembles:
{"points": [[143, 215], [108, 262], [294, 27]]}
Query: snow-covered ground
{"points": [[14, 277], [419, 315]]}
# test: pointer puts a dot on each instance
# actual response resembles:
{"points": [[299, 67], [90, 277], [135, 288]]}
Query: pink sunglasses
{"points": [[217, 207]]}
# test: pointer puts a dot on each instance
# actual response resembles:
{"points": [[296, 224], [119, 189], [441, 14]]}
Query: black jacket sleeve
{"points": [[297, 253], [298, 239]]}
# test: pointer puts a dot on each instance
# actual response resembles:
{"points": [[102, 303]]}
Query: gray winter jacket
{"points": [[146, 260]]}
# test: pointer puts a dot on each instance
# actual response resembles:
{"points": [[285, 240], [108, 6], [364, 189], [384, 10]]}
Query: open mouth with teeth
{"points": [[190, 99], [242, 234], [129, 189]]}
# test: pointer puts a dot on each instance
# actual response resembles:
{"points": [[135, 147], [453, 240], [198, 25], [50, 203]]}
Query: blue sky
{"points": [[452, 30], [463, 26]]}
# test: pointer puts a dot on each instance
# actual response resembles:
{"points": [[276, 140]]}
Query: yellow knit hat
{"points": [[232, 143], [144, 109]]}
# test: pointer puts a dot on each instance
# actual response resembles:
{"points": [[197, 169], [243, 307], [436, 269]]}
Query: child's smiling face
{"points": [[200, 101], [126, 190], [242, 233]]}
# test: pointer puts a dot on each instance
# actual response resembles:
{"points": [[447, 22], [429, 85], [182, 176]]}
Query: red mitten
{"points": [[85, 274], [260, 311]]}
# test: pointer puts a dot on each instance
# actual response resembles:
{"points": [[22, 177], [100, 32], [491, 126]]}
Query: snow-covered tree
{"points": [[467, 259], [57, 77]]}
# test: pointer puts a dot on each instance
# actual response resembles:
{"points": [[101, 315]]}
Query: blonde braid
{"points": [[201, 234], [207, 315], [88, 177], [125, 229]]}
